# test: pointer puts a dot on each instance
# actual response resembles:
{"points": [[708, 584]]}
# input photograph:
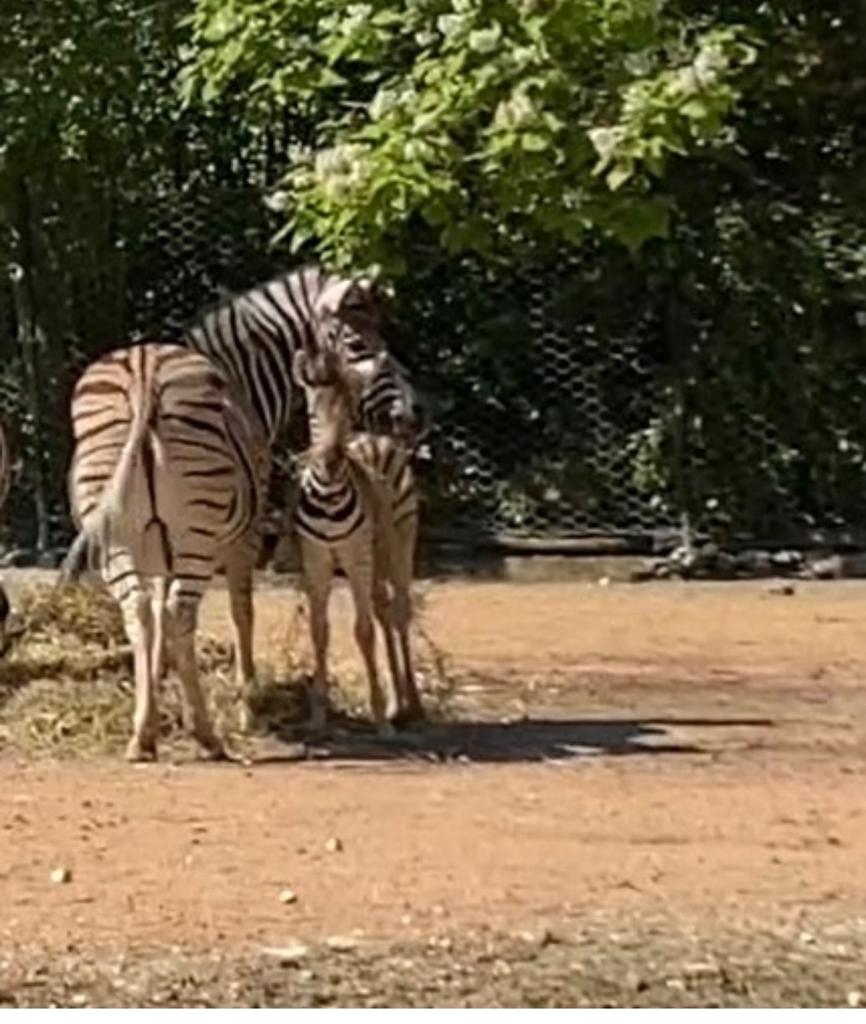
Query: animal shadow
{"points": [[527, 740]]}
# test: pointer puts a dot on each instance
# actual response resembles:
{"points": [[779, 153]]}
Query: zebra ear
{"points": [[333, 295]]}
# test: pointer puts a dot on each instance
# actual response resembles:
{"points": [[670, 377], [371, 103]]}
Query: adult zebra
{"points": [[254, 337], [163, 478]]}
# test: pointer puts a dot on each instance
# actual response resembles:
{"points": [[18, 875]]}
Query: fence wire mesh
{"points": [[566, 401]]}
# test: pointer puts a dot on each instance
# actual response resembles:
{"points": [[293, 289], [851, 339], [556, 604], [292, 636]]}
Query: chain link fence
{"points": [[570, 400]]}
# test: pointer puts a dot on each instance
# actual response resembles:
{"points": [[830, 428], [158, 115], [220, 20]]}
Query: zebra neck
{"points": [[328, 478], [254, 337]]}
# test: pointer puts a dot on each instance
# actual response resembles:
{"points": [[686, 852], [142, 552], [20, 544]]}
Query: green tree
{"points": [[96, 155], [485, 123]]}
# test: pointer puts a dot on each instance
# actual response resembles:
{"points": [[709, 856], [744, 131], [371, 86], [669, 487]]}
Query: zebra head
{"points": [[349, 317], [331, 408]]}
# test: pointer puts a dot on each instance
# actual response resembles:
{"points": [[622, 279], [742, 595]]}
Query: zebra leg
{"points": [[240, 559], [360, 575], [411, 708], [182, 614], [157, 651], [318, 571], [383, 608], [138, 621]]}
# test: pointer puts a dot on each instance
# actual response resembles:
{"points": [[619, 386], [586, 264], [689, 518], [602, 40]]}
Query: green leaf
{"points": [[619, 175], [485, 40], [533, 143], [634, 221]]}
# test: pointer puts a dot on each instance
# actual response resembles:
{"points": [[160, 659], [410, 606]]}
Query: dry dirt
{"points": [[642, 795]]}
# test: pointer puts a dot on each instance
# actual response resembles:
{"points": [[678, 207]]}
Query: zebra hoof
{"points": [[138, 750], [211, 749], [407, 717]]}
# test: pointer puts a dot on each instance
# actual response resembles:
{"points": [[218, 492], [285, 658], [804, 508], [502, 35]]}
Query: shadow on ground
{"points": [[527, 740]]}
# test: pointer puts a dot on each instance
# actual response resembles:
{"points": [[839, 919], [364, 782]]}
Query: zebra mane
{"points": [[311, 275]]}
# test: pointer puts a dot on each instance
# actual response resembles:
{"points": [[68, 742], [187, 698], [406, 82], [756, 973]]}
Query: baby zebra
{"points": [[161, 480], [389, 463], [345, 519]]}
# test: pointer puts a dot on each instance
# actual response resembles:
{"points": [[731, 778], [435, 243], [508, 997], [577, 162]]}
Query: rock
{"points": [[787, 560], [754, 563], [288, 896], [683, 560], [826, 568], [782, 590], [60, 876], [334, 845], [341, 943], [855, 999], [604, 581], [287, 955]]}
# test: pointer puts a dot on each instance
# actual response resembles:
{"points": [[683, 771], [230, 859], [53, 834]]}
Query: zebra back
{"points": [[165, 461]]}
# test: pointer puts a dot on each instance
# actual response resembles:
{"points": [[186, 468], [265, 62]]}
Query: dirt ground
{"points": [[633, 795]]}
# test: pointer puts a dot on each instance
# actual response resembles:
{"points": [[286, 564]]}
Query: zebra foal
{"points": [[356, 511], [163, 477], [388, 462]]}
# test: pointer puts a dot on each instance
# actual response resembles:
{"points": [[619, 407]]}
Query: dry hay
{"points": [[66, 687]]}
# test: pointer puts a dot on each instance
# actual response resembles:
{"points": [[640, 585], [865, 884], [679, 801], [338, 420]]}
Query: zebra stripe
{"points": [[384, 457], [164, 477], [330, 508], [162, 451], [255, 336], [357, 510]]}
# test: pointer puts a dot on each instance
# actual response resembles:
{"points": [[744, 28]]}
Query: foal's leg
{"points": [[359, 571], [317, 565], [402, 574]]}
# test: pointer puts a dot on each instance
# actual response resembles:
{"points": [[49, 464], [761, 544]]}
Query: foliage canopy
{"points": [[488, 124]]}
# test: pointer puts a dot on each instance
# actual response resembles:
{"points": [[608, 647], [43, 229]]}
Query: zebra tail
{"points": [[97, 531], [70, 569]]}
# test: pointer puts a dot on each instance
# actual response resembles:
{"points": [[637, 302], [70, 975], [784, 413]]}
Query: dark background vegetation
{"points": [[608, 381]]}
